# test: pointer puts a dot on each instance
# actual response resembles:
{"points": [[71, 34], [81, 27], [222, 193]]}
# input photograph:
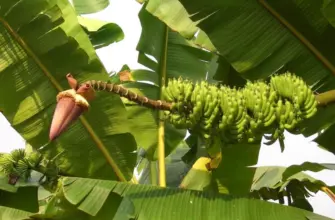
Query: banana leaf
{"points": [[184, 58], [275, 182], [89, 6], [169, 203], [17, 214], [101, 33], [174, 15], [12, 196], [41, 42]]}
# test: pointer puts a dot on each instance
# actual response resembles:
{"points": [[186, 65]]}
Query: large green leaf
{"points": [[261, 45], [174, 15], [158, 203], [41, 42], [89, 6]]}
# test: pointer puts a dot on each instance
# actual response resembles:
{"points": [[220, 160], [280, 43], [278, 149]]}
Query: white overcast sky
{"points": [[124, 13]]}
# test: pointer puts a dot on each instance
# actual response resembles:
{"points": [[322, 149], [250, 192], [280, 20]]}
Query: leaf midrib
{"points": [[298, 35]]}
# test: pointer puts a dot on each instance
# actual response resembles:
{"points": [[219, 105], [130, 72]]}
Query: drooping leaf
{"points": [[41, 42], [271, 176], [176, 12], [183, 57], [89, 6], [152, 202], [307, 166], [101, 33], [174, 15], [269, 181]]}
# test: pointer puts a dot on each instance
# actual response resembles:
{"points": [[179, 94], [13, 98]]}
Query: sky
{"points": [[297, 148]]}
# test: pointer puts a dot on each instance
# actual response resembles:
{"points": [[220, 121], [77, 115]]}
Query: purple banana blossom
{"points": [[70, 105]]}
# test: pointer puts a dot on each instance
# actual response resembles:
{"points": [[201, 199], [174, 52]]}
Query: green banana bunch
{"points": [[257, 110], [179, 92], [260, 101], [297, 91], [234, 117], [211, 110]]}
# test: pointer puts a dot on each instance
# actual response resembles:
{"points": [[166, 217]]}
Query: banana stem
{"points": [[322, 99], [130, 95], [161, 123], [328, 192], [325, 98]]}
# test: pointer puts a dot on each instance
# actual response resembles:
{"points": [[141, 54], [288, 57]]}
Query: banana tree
{"points": [[95, 137]]}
